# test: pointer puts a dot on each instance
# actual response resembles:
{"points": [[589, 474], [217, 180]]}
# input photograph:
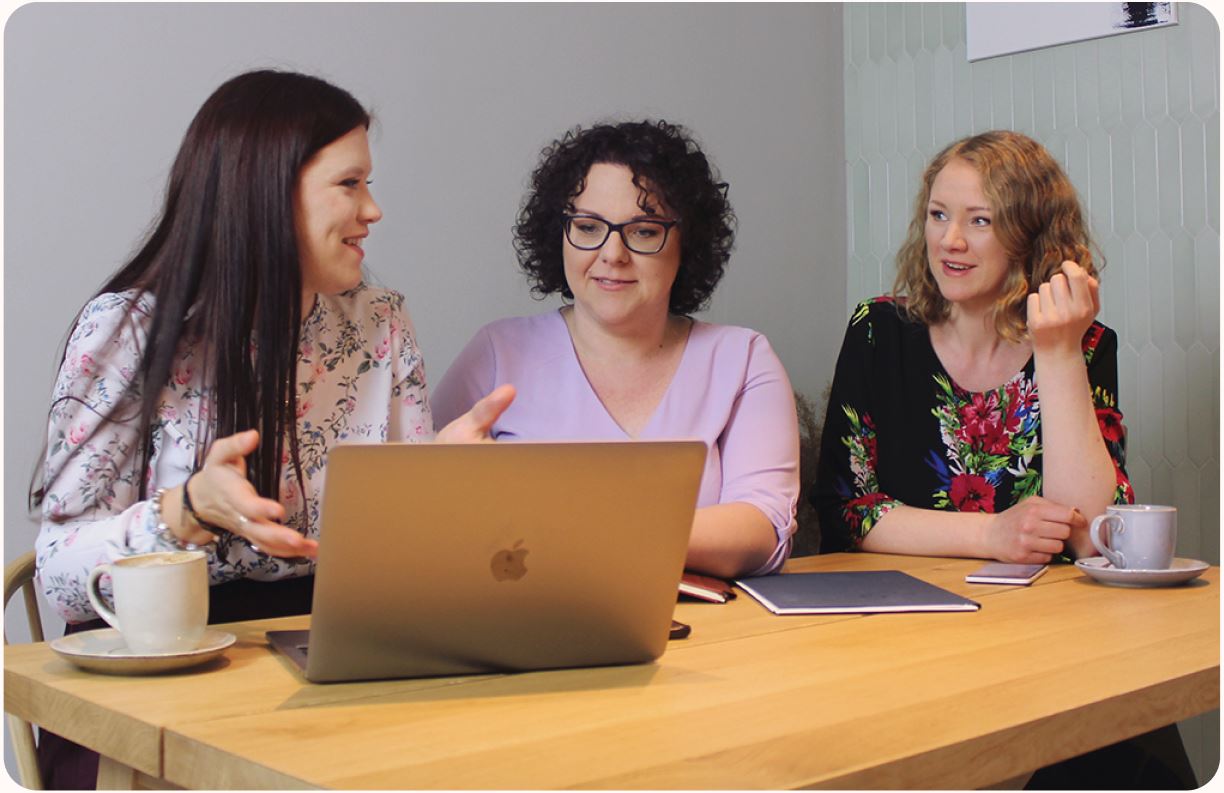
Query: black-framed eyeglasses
{"points": [[588, 233]]}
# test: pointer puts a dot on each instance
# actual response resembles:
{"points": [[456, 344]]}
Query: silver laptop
{"points": [[440, 559]]}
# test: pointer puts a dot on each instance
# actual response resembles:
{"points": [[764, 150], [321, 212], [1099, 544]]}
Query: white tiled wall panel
{"points": [[1135, 121]]}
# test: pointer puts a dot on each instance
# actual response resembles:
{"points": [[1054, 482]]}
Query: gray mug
{"points": [[1140, 536]]}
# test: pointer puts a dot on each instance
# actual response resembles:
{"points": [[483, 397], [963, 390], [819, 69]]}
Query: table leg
{"points": [[114, 775], [22, 735]]}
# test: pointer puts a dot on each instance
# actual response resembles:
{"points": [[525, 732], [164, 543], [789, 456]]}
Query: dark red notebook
{"points": [[707, 588]]}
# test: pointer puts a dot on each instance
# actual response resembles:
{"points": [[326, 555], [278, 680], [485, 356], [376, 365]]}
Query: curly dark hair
{"points": [[667, 163]]}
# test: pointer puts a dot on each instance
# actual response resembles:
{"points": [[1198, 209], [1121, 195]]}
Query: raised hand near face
{"points": [[1061, 310]]}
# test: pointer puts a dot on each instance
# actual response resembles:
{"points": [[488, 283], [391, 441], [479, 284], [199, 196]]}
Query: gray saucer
{"points": [[1182, 570]]}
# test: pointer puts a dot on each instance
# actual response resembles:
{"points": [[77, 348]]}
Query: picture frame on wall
{"points": [[993, 29]]}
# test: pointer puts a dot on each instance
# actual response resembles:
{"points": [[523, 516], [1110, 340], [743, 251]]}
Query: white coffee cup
{"points": [[1141, 536], [161, 600]]}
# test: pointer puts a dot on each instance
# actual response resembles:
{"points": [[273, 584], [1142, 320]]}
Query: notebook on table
{"points": [[444, 559], [858, 592], [707, 588]]}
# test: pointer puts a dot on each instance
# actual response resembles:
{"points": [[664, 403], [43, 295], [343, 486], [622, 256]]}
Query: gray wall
{"points": [[1135, 121], [97, 97]]}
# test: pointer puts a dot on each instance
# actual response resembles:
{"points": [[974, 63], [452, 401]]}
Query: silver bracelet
{"points": [[163, 531]]}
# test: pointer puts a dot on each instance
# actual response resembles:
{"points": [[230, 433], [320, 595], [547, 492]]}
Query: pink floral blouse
{"points": [[360, 378]]}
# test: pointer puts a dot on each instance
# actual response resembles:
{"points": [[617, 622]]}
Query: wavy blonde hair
{"points": [[1035, 215]]}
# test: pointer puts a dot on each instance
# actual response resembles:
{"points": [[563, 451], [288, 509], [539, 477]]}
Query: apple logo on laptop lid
{"points": [[509, 564]]}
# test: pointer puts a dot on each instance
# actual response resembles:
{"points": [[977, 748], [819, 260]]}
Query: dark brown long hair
{"points": [[222, 262]]}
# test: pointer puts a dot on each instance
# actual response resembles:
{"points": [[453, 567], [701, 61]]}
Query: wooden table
{"points": [[750, 700]]}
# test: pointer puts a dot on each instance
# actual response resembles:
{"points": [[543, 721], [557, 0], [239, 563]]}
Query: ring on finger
{"points": [[243, 524]]}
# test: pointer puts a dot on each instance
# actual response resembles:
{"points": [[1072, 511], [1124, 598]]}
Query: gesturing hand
{"points": [[1061, 309], [1032, 531], [222, 495], [475, 425]]}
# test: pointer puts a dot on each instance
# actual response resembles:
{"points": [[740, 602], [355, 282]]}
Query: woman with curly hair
{"points": [[629, 223], [937, 441]]}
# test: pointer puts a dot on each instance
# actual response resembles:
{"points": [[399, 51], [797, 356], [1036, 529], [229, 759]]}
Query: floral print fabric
{"points": [[985, 436], [360, 378], [900, 431]]}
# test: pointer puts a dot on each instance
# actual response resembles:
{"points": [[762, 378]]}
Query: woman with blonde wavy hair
{"points": [[974, 411], [937, 441]]}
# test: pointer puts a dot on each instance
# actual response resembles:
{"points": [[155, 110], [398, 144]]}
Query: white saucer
{"points": [[103, 650], [1183, 570]]}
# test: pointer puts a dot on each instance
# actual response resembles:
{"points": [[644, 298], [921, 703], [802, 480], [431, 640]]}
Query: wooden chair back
{"points": [[19, 575]]}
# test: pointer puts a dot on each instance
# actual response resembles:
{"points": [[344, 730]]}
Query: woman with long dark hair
{"points": [[203, 385]]}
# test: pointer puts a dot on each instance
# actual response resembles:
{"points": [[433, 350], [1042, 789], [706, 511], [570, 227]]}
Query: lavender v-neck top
{"points": [[729, 390]]}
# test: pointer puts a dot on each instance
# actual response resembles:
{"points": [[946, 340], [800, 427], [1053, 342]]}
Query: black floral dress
{"points": [[900, 431]]}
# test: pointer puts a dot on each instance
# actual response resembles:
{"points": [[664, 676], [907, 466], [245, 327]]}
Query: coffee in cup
{"points": [[160, 600], [1136, 536]]}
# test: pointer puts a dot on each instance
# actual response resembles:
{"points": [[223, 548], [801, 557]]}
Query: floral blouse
{"points": [[900, 431], [360, 378]]}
